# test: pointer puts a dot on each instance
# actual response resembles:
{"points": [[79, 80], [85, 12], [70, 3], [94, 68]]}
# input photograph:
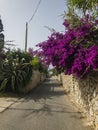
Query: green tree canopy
{"points": [[84, 5], [1, 36]]}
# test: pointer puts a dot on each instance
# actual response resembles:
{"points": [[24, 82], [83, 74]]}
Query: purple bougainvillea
{"points": [[75, 51]]}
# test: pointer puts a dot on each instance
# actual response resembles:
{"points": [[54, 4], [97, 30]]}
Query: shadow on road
{"points": [[48, 101], [47, 90], [45, 100]]}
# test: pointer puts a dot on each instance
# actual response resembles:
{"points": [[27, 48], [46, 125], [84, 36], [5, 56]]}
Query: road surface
{"points": [[45, 108]]}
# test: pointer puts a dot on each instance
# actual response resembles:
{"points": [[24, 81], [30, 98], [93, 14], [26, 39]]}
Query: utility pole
{"points": [[26, 36], [26, 32]]}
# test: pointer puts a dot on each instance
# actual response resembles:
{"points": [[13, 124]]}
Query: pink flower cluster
{"points": [[75, 51]]}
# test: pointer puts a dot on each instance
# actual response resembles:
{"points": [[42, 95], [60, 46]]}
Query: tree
{"points": [[84, 5], [1, 36]]}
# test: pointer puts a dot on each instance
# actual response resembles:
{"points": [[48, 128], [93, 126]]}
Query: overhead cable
{"points": [[35, 11]]}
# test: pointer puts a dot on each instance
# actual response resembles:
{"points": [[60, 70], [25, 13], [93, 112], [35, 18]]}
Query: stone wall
{"points": [[84, 93]]}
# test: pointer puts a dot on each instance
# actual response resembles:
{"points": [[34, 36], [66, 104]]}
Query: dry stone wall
{"points": [[84, 93]]}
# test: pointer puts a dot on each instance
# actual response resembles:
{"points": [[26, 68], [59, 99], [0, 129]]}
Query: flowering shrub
{"points": [[76, 50]]}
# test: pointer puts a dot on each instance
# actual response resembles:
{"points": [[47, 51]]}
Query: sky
{"points": [[15, 14]]}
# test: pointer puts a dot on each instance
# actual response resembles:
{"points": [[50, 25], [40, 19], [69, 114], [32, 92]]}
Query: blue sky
{"points": [[15, 14]]}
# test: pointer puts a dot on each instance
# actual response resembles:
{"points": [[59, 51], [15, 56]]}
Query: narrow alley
{"points": [[45, 108]]}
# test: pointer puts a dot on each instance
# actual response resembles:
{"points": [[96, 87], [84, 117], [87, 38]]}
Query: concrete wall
{"points": [[84, 93], [36, 79], [43, 76]]}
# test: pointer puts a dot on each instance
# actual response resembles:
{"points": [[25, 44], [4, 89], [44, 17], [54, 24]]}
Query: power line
{"points": [[26, 33], [35, 11]]}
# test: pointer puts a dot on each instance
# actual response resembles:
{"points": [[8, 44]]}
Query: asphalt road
{"points": [[45, 108]]}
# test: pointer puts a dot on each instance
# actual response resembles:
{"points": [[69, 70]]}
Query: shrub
{"points": [[76, 50], [15, 71], [35, 63], [21, 55]]}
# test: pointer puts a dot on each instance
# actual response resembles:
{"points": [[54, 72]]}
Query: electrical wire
{"points": [[35, 11]]}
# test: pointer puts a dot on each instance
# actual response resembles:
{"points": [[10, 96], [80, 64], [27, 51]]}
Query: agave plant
{"points": [[14, 74]]}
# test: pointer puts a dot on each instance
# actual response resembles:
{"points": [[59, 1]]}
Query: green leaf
{"points": [[3, 84]]}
